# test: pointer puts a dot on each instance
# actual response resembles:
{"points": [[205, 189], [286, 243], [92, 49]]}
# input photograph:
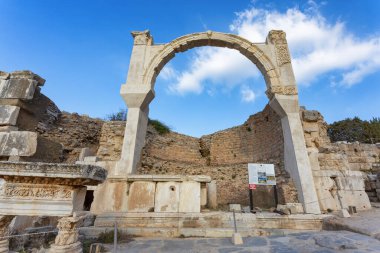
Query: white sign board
{"points": [[261, 174]]}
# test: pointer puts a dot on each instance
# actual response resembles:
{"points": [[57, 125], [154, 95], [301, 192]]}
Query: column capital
{"points": [[137, 96]]}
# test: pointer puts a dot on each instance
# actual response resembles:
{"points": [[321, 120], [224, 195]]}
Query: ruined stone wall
{"points": [[74, 132], [223, 156], [342, 171]]}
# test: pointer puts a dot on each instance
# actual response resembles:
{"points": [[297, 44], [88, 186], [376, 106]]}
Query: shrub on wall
{"points": [[355, 129]]}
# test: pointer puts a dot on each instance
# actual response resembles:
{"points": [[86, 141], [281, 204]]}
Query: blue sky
{"points": [[82, 49]]}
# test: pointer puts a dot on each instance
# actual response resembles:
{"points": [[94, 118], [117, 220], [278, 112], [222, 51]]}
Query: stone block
{"points": [[110, 196], [26, 74], [310, 116], [295, 208], [40, 199], [17, 88], [203, 194], [212, 200], [21, 143], [141, 197], [8, 115], [190, 197], [8, 128], [167, 197]]}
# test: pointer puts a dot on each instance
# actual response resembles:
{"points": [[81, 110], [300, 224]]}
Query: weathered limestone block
{"points": [[141, 197], [40, 199], [8, 115], [110, 196], [20, 143], [17, 88], [4, 231], [167, 197], [203, 194], [36, 189], [67, 238], [190, 197], [212, 201], [310, 116], [340, 189]]}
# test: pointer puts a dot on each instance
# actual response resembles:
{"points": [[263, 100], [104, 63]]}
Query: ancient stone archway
{"points": [[273, 60]]}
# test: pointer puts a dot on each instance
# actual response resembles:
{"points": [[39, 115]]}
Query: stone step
{"points": [[94, 232]]}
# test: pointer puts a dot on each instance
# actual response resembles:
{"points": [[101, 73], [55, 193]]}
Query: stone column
{"points": [[4, 231], [137, 98], [67, 238], [296, 159]]}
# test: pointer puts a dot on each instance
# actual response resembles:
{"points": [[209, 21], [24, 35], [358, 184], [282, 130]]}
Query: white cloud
{"points": [[219, 66], [317, 48], [247, 94]]}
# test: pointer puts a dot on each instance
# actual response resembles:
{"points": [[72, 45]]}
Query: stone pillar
{"points": [[137, 99], [67, 238], [212, 201], [296, 159], [4, 231]]}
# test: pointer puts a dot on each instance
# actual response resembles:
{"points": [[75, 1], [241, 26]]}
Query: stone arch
{"points": [[273, 60], [215, 39]]}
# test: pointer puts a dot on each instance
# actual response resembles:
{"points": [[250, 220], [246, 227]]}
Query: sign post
{"points": [[261, 174]]}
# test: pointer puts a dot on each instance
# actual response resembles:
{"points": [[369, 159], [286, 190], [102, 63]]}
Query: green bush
{"points": [[355, 129], [121, 115], [160, 127]]}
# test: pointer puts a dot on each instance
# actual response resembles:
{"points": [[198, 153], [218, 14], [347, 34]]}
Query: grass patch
{"points": [[160, 127]]}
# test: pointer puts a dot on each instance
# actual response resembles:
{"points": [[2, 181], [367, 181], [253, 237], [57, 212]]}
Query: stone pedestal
{"points": [[4, 231], [67, 238]]}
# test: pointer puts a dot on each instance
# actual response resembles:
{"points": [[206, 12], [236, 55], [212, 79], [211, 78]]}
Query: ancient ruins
{"points": [[58, 164]]}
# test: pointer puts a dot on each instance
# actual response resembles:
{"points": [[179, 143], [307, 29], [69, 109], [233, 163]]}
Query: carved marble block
{"points": [[35, 189]]}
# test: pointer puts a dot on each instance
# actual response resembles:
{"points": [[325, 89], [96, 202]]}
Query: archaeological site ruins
{"points": [[77, 177]]}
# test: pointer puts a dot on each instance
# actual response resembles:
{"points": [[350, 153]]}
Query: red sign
{"points": [[252, 186]]}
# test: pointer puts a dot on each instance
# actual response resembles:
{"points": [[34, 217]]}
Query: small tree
{"points": [[121, 115]]}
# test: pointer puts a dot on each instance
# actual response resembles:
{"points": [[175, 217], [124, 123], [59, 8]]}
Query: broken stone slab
{"points": [[17, 88], [8, 115], [20, 143], [311, 116], [53, 173], [27, 74]]}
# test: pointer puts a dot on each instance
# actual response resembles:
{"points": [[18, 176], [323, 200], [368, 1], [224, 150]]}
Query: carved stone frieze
{"points": [[31, 191], [278, 38], [282, 90], [52, 173]]}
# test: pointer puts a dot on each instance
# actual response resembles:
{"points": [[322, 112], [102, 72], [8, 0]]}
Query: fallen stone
{"points": [[17, 88], [20, 143], [28, 75], [8, 115]]}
